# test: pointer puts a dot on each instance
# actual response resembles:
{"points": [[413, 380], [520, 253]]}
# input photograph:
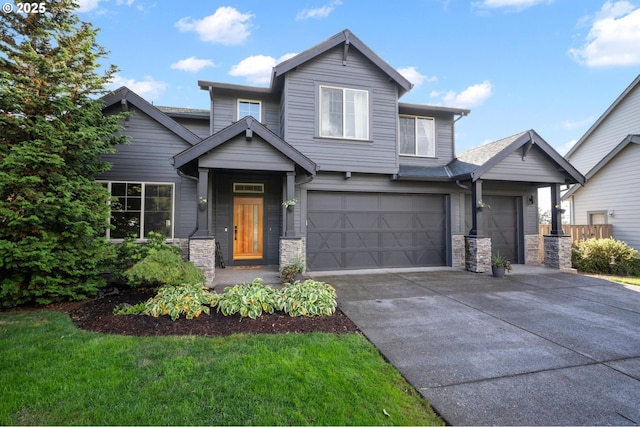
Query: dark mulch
{"points": [[97, 315]]}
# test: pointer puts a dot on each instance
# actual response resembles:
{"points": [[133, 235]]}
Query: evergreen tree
{"points": [[53, 213]]}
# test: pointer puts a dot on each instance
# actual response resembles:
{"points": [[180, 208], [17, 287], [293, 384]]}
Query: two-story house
{"points": [[326, 165], [608, 154]]}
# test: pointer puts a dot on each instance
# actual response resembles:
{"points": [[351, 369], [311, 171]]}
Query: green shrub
{"points": [[127, 309], [248, 299], [129, 252], [189, 299], [164, 267], [605, 256], [288, 272], [308, 298]]}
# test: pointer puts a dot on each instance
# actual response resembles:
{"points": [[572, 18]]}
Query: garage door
{"points": [[375, 230], [500, 223]]}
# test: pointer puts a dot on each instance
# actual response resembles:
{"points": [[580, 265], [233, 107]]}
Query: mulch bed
{"points": [[97, 315]]}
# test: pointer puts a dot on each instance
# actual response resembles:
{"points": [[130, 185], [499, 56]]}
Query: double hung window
{"points": [[344, 113], [249, 108], [138, 208], [417, 136]]}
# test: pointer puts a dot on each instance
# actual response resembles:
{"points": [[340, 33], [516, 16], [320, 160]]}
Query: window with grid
{"points": [[417, 136], [138, 208], [344, 113], [249, 108]]}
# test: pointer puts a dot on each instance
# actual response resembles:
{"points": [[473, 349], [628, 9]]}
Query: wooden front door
{"points": [[247, 227]]}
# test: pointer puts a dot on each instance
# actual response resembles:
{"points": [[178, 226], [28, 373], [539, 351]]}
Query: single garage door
{"points": [[500, 223], [375, 230]]}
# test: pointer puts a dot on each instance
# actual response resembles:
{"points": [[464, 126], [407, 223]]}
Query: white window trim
{"points": [[251, 101], [415, 123], [344, 98], [142, 206]]}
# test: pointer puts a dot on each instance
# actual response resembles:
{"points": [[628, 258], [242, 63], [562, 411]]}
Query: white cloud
{"points": [[257, 69], [226, 26], [564, 149], [613, 39], [576, 124], [318, 13], [413, 75], [148, 88], [192, 64], [508, 4], [470, 97], [87, 5]]}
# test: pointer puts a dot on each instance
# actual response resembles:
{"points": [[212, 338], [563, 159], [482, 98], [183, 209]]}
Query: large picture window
{"points": [[417, 136], [138, 208], [344, 113]]}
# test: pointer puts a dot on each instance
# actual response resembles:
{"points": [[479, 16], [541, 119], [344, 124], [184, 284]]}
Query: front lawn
{"points": [[627, 280], [53, 373]]}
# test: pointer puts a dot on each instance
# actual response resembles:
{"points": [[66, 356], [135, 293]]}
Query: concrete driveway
{"points": [[539, 347]]}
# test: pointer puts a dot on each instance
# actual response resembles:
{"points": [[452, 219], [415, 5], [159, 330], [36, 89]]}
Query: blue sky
{"points": [[551, 65]]}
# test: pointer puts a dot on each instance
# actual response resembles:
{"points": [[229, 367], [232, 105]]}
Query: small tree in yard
{"points": [[53, 213]]}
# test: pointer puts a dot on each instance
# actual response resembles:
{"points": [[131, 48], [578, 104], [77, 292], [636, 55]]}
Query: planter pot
{"points": [[498, 271]]}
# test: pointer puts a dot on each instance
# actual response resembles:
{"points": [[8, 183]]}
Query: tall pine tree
{"points": [[52, 135]]}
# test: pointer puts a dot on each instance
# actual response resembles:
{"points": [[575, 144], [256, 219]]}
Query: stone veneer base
{"points": [[477, 251]]}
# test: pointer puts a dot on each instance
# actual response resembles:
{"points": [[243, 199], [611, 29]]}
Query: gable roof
{"points": [[249, 126], [604, 116], [474, 163], [349, 39], [629, 139], [124, 95]]}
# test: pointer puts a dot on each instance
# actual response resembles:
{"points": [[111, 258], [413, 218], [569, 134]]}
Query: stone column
{"points": [[458, 246], [477, 253], [202, 253], [557, 251], [532, 249], [293, 249]]}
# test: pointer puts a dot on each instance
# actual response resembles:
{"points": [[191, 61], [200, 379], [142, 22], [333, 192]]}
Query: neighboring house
{"points": [[608, 154], [327, 166]]}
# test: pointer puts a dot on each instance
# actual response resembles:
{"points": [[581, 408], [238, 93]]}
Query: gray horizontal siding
{"points": [[147, 159], [622, 121], [199, 127], [444, 145], [239, 153], [535, 167], [614, 188], [302, 113], [225, 112]]}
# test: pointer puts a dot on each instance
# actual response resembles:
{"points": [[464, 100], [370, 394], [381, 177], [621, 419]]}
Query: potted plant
{"points": [[292, 272], [500, 265]]}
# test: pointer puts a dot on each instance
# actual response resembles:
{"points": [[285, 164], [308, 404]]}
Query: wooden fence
{"points": [[577, 232]]}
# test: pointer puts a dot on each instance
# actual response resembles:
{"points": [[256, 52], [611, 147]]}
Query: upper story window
{"points": [[138, 208], [249, 108], [417, 136], [344, 113]]}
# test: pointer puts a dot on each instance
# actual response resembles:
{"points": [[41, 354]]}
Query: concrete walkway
{"points": [[539, 347]]}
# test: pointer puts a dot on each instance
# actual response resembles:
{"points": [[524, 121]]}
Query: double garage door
{"points": [[375, 230]]}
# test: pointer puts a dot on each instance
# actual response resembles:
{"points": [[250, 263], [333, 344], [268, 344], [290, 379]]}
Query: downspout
{"points": [[453, 132], [210, 111]]}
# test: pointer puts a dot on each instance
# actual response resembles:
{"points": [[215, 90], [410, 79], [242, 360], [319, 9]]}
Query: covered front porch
{"points": [[246, 177]]}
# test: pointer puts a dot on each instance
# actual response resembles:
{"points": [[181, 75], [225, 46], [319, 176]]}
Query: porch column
{"points": [[202, 216], [556, 211], [289, 230], [477, 247], [557, 245], [476, 210]]}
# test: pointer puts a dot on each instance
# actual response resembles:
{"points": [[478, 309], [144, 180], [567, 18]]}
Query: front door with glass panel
{"points": [[247, 228]]}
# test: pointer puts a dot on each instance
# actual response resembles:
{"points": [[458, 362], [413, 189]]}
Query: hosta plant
{"points": [[308, 298], [189, 299], [248, 299]]}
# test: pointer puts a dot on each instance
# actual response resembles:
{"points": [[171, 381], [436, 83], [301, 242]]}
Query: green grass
{"points": [[53, 373], [627, 280]]}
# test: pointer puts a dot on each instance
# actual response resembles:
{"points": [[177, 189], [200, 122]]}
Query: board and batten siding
{"points": [[301, 121], [147, 159], [614, 188], [623, 120]]}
